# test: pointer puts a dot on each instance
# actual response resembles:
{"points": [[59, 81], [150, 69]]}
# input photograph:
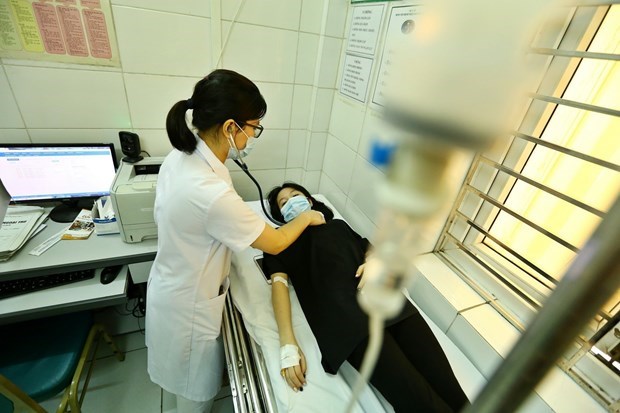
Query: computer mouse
{"points": [[108, 274]]}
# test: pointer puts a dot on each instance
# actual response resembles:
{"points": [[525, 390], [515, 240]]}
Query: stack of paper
{"points": [[20, 224]]}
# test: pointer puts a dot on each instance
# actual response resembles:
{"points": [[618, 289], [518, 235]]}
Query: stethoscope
{"points": [[245, 169]]}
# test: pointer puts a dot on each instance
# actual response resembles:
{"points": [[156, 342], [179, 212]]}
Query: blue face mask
{"points": [[234, 152], [295, 206]]}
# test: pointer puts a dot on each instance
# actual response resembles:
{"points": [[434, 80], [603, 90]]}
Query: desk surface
{"points": [[68, 255], [95, 252]]}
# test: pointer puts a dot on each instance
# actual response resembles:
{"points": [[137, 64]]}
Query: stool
{"points": [[40, 358]]}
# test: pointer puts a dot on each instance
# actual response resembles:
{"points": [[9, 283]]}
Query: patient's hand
{"points": [[295, 376]]}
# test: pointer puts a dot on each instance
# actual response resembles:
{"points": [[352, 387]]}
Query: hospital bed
{"points": [[252, 350]]}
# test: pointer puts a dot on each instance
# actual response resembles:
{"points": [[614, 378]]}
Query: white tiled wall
{"points": [[290, 48]]}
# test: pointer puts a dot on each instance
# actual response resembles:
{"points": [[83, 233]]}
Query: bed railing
{"points": [[249, 381]]}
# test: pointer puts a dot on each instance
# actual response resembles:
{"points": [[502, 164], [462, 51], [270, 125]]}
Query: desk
{"points": [[68, 255]]}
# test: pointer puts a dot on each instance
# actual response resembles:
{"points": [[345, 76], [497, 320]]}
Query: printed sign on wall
{"points": [[355, 77], [364, 31], [402, 23], [69, 31]]}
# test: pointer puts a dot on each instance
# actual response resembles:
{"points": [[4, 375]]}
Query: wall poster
{"points": [[355, 77], [402, 23], [68, 31], [364, 31]]}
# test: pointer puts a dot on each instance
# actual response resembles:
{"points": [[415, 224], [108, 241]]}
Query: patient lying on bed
{"points": [[412, 372]]}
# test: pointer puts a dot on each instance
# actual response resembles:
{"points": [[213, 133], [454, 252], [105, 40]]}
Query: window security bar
{"points": [[473, 255], [522, 219], [542, 187], [569, 53], [507, 248], [567, 151], [577, 105]]}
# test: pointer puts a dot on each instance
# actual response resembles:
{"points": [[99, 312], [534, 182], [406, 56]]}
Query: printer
{"points": [[133, 198]]}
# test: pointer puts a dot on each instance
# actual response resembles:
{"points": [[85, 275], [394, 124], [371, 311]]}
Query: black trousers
{"points": [[412, 371]]}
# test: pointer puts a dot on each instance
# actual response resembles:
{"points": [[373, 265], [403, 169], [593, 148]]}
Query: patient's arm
{"points": [[295, 376]]}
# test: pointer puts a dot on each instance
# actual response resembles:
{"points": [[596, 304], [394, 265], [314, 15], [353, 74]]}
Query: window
{"points": [[529, 204]]}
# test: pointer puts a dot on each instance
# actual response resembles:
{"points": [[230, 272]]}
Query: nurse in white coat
{"points": [[200, 221]]}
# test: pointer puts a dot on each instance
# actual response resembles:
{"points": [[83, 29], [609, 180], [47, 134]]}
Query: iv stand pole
{"points": [[589, 282]]}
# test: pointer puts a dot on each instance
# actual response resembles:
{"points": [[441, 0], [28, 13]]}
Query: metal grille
{"points": [[492, 196]]}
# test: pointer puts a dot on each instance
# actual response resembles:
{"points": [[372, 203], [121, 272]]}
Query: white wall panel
{"points": [[363, 189], [279, 98], [346, 121], [14, 136], [63, 98], [272, 13], [269, 152], [306, 58], [163, 43], [297, 143], [322, 110], [311, 15], [150, 97], [191, 7], [154, 141], [311, 181], [9, 113], [261, 53], [359, 221], [339, 163], [330, 58], [335, 195], [294, 175], [316, 151], [336, 17], [300, 111]]}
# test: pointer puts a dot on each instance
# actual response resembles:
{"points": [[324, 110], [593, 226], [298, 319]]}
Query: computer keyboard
{"points": [[28, 285]]}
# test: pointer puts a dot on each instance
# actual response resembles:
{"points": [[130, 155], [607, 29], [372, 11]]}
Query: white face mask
{"points": [[234, 152]]}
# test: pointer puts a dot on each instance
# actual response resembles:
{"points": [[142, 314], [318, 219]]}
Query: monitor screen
{"points": [[57, 172]]}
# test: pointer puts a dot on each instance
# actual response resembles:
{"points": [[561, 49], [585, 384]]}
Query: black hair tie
{"points": [[190, 103]]}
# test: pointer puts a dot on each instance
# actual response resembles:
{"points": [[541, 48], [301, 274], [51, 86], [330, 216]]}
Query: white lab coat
{"points": [[200, 219]]}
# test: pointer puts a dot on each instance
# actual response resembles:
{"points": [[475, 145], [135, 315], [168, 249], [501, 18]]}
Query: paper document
{"points": [[82, 226], [18, 226]]}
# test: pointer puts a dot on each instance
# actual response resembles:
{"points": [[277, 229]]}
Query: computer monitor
{"points": [[74, 174]]}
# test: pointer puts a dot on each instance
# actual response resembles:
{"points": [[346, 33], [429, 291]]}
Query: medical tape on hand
{"points": [[280, 279], [289, 356]]}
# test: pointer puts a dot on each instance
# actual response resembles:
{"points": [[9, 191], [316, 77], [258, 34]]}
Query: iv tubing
{"points": [[375, 340]]}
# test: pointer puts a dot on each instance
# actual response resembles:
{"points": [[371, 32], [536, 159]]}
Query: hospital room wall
{"points": [[348, 177], [290, 48]]}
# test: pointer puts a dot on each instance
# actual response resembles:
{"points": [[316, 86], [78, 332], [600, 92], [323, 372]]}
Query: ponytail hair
{"points": [[272, 199], [221, 95], [181, 137]]}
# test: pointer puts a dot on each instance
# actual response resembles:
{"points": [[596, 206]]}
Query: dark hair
{"points": [[272, 198], [221, 95]]}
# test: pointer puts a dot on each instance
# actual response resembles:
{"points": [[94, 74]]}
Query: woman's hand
{"points": [[295, 376], [316, 217]]}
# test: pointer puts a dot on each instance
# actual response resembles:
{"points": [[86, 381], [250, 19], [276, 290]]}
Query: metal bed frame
{"points": [[249, 380]]}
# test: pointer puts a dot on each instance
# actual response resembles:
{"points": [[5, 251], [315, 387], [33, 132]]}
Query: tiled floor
{"points": [[124, 387]]}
